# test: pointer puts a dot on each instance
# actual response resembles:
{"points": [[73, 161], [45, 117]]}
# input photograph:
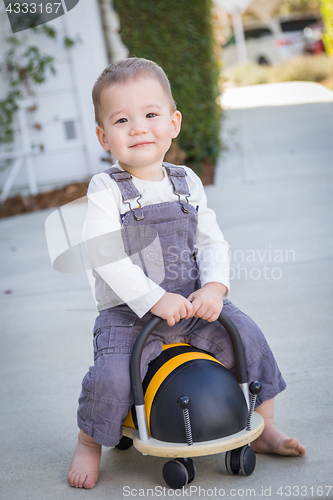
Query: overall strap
{"points": [[177, 176], [124, 183], [127, 189]]}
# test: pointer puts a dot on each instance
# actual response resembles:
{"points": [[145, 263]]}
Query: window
{"points": [[70, 130], [297, 24], [257, 33], [231, 41]]}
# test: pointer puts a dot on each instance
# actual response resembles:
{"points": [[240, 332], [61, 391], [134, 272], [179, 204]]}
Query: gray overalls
{"points": [[106, 397]]}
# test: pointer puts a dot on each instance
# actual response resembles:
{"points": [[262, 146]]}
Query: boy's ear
{"points": [[102, 138], [176, 123]]}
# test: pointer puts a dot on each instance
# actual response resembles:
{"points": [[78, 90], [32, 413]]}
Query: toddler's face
{"points": [[138, 124]]}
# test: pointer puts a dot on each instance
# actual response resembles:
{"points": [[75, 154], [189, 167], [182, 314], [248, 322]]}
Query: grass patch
{"points": [[305, 68]]}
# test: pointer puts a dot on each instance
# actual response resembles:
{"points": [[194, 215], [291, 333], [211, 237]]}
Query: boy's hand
{"points": [[172, 307], [207, 302]]}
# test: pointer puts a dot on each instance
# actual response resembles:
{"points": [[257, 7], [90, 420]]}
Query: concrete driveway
{"points": [[273, 199]]}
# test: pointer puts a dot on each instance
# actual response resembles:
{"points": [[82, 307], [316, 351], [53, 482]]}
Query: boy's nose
{"points": [[138, 128]]}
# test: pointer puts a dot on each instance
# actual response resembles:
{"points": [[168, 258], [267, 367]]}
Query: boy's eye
{"points": [[121, 120], [151, 115]]}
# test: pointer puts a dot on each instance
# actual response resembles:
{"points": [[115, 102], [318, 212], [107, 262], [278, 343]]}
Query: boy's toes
{"points": [[292, 447], [71, 479], [78, 480], [301, 450], [83, 480], [289, 446], [89, 481]]}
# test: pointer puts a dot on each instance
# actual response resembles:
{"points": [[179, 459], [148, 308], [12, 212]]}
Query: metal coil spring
{"points": [[253, 398], [188, 429]]}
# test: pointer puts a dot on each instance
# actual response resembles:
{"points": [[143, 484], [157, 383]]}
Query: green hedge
{"points": [[177, 35], [327, 13]]}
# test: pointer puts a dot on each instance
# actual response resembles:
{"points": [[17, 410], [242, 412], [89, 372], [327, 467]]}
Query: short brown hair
{"points": [[125, 70]]}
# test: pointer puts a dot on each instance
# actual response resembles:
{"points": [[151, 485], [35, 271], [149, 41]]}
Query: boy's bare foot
{"points": [[272, 440], [83, 471]]}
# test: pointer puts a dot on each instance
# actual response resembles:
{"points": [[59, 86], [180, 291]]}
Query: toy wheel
{"points": [[232, 461], [124, 443], [247, 460], [191, 468], [179, 472], [263, 61], [243, 459]]}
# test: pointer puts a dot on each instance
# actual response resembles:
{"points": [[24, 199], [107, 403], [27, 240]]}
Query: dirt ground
{"points": [[58, 197]]}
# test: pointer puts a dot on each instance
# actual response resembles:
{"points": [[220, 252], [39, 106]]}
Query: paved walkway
{"points": [[273, 198]]}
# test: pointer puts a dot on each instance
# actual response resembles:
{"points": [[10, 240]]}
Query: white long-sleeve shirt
{"points": [[105, 212]]}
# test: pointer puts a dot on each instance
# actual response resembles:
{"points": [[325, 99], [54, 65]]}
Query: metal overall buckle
{"points": [[185, 205], [137, 212]]}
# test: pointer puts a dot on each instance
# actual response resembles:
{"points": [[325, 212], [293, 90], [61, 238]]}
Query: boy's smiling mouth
{"points": [[141, 144]]}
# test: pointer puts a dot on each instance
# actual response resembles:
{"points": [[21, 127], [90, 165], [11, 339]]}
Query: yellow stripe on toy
{"points": [[168, 346]]}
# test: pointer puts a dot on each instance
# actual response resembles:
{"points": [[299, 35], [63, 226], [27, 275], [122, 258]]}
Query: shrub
{"points": [[305, 68], [327, 13], [246, 74], [300, 68]]}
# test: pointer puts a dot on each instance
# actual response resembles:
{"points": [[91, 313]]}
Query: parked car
{"points": [[272, 41], [314, 38]]}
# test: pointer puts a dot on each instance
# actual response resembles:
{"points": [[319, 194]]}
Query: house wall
{"points": [[64, 142]]}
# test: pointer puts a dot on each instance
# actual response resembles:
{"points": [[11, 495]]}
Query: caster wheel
{"points": [[263, 61], [191, 468], [242, 459], [247, 460], [232, 462], [179, 472], [124, 443]]}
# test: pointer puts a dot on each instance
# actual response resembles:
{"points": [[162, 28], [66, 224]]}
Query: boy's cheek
{"points": [[113, 142], [103, 138]]}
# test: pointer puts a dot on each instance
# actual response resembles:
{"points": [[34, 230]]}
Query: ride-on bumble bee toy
{"points": [[190, 405]]}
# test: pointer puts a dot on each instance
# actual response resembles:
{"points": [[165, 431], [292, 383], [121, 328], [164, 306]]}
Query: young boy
{"points": [[156, 249]]}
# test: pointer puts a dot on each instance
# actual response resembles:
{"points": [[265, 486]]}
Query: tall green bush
{"points": [[327, 13], [177, 35]]}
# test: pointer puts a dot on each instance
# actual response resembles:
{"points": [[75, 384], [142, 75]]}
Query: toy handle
{"points": [[136, 359]]}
